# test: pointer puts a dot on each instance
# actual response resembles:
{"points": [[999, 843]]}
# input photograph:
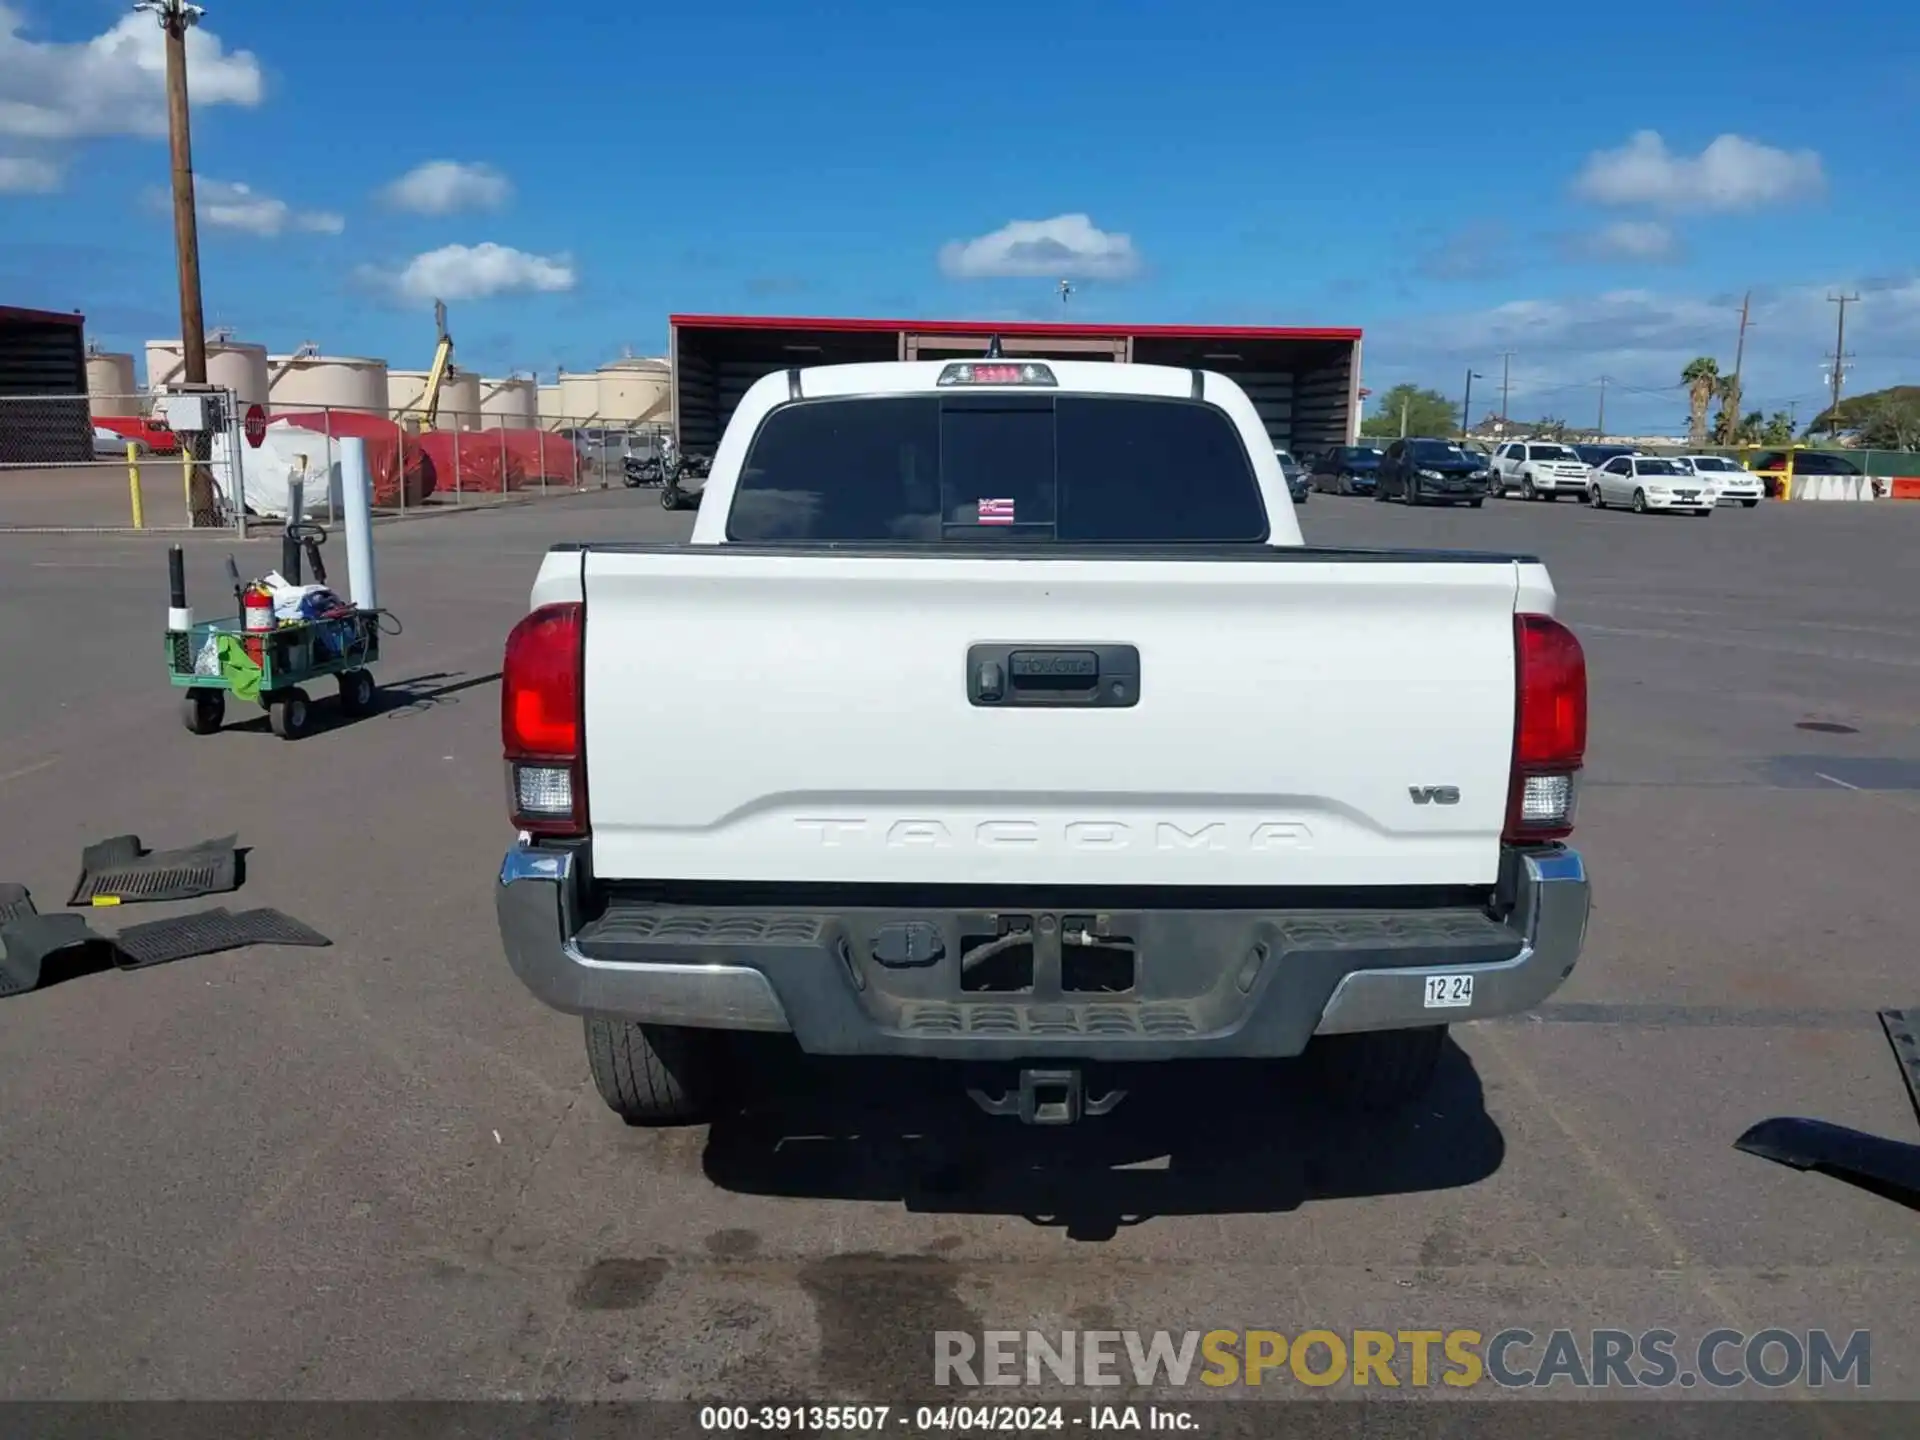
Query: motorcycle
{"points": [[636, 471]]}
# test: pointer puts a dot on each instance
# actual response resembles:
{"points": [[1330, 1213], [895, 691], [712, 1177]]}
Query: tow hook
{"points": [[1047, 1097]]}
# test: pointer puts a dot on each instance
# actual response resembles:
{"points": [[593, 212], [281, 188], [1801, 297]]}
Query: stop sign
{"points": [[256, 426]]}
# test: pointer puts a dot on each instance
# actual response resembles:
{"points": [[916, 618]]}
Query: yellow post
{"points": [[133, 486]]}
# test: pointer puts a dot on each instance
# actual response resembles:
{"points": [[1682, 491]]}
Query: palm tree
{"points": [[1729, 421], [1702, 379]]}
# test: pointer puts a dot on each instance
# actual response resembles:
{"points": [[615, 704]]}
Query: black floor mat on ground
{"points": [[29, 940], [1903, 1033], [118, 871], [208, 933]]}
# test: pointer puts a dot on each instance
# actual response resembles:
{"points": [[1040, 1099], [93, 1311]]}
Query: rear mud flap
{"points": [[1046, 1097]]}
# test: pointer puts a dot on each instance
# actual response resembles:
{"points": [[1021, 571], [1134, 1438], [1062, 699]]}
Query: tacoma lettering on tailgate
{"points": [[1071, 834]]}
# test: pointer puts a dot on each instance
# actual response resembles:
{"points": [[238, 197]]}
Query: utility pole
{"points": [[1466, 405], [1506, 374], [1403, 418], [177, 17], [1731, 401], [1839, 358], [1600, 425]]}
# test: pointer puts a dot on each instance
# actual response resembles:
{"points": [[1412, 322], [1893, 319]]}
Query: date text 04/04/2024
{"points": [[936, 1419]]}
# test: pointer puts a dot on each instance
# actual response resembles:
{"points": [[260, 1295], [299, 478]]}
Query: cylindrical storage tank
{"points": [[550, 403], [459, 401], [341, 381], [580, 399], [509, 404], [231, 364], [110, 385], [405, 390], [632, 391]]}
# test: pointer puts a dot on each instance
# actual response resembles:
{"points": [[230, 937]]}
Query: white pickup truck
{"points": [[997, 713]]}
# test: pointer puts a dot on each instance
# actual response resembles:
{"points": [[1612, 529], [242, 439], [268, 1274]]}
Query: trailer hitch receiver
{"points": [[1047, 1097]]}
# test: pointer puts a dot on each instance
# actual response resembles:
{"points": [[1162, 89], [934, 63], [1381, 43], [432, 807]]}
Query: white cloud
{"points": [[1629, 240], [1732, 173], [113, 84], [444, 187], [474, 272], [22, 176], [1640, 339], [229, 205], [1067, 247]]}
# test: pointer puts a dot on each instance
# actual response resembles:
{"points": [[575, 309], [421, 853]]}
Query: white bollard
{"points": [[356, 481]]}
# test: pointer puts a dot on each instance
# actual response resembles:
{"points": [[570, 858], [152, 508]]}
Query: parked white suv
{"points": [[1539, 470]]}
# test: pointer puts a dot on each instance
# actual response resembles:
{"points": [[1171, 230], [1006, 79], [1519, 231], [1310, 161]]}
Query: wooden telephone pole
{"points": [[176, 18], [1731, 402], [1839, 359]]}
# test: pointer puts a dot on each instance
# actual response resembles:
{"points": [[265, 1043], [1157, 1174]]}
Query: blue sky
{"points": [[1589, 187]]}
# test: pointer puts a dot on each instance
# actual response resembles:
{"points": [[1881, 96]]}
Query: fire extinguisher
{"points": [[258, 608]]}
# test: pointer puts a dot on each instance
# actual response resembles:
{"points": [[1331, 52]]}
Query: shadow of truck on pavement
{"points": [[1195, 1138]]}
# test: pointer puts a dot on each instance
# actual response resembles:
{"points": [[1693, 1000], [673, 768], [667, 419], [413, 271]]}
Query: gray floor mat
{"points": [[28, 941], [208, 933], [117, 871]]}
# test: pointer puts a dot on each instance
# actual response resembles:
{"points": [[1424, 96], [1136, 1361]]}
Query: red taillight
{"points": [[541, 721], [1549, 729]]}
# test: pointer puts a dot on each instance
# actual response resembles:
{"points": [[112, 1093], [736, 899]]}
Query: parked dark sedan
{"points": [[1296, 476], [1598, 455], [1347, 470], [1417, 471]]}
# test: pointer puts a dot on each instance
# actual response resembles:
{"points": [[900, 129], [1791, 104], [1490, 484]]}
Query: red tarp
{"points": [[490, 462], [388, 449]]}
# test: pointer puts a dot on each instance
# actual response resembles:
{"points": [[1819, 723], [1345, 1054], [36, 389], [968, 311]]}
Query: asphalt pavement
{"points": [[379, 1170]]}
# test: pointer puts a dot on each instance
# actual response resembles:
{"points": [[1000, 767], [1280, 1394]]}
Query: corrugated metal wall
{"points": [[1303, 408], [1272, 396], [1321, 399], [43, 358]]}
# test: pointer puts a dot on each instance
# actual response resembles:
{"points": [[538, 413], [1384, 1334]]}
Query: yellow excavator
{"points": [[428, 409]]}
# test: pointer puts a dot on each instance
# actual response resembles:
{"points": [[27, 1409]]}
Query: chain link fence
{"points": [[112, 463], [87, 463]]}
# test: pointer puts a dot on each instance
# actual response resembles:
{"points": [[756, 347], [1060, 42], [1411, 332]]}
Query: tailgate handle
{"points": [[1091, 676]]}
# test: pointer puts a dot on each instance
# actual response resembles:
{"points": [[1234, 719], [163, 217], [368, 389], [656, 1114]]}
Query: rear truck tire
{"points": [[290, 713], [203, 711], [356, 692], [1639, 502], [652, 1074], [1749, 503], [1377, 1070]]}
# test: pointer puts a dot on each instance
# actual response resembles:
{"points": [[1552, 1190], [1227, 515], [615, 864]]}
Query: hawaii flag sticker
{"points": [[996, 512]]}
